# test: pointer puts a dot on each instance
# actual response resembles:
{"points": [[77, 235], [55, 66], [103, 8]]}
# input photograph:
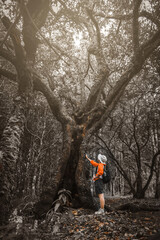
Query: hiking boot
{"points": [[100, 211]]}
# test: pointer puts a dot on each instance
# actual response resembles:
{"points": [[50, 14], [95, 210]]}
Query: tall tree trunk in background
{"points": [[9, 153], [11, 140], [157, 190], [23, 61]]}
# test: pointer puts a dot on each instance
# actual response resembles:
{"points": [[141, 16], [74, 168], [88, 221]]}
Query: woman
{"points": [[99, 185]]}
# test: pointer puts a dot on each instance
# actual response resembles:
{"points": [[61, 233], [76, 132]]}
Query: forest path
{"points": [[81, 224]]}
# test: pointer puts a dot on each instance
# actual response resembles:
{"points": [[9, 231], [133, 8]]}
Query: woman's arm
{"points": [[92, 162], [88, 158]]}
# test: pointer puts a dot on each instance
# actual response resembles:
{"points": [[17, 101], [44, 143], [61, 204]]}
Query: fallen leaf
{"points": [[75, 212], [101, 224]]}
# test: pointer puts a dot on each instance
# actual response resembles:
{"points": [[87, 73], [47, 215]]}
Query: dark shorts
{"points": [[99, 185]]}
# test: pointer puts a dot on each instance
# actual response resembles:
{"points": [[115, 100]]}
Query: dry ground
{"points": [[135, 220]]}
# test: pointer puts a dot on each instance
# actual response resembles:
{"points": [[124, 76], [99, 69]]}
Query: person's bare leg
{"points": [[102, 201]]}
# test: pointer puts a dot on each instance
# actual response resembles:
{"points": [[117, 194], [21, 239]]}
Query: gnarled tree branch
{"points": [[11, 76], [145, 51], [15, 36], [8, 56], [54, 103]]}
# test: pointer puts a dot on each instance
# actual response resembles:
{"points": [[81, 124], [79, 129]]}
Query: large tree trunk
{"points": [[83, 186], [9, 153], [75, 178], [69, 175], [139, 194], [34, 15], [157, 190]]}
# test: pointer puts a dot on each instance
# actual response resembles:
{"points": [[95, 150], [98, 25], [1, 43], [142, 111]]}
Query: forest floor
{"points": [[124, 219]]}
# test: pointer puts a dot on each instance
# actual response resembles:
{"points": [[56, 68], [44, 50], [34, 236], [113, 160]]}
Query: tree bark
{"points": [[9, 153], [83, 186], [69, 174]]}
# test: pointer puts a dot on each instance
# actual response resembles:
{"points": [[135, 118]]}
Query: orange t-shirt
{"points": [[100, 169]]}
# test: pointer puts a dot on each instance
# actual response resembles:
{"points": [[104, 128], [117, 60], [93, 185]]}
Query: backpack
{"points": [[106, 177]]}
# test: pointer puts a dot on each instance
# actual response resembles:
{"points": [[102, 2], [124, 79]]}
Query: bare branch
{"points": [[45, 40], [148, 47], [151, 169], [127, 17], [15, 36], [134, 67], [8, 56], [134, 128], [102, 71], [119, 24], [9, 30], [150, 17], [54, 103], [116, 17], [11, 76], [56, 16], [147, 139], [89, 66], [135, 27], [98, 35], [62, 3]]}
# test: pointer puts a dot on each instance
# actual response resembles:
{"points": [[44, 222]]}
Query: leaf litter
{"points": [[81, 224]]}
